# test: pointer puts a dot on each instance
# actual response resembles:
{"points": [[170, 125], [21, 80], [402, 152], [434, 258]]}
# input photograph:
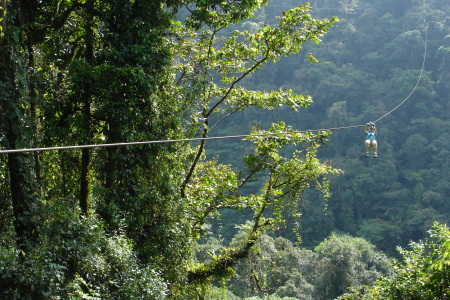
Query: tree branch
{"points": [[194, 163], [266, 56], [229, 259]]}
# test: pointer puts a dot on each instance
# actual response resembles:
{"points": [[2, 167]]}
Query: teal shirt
{"points": [[371, 136]]}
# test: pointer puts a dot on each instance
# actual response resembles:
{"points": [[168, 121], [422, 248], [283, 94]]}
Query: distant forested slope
{"points": [[368, 63]]}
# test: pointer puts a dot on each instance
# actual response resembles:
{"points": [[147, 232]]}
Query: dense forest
{"points": [[368, 63], [112, 186]]}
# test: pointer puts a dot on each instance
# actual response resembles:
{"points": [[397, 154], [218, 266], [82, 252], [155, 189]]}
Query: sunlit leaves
{"points": [[211, 184], [208, 70], [210, 65], [213, 187], [2, 15], [286, 177]]}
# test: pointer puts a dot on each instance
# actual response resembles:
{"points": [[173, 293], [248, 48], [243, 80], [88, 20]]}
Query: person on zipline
{"points": [[371, 139]]}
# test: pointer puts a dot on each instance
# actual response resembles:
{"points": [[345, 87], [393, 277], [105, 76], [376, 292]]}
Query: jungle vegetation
{"points": [[280, 214]]}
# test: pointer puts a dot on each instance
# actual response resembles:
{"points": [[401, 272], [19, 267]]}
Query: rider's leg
{"points": [[367, 148], [375, 148]]}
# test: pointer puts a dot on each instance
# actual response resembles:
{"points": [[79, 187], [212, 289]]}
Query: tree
{"points": [[18, 102], [210, 70], [116, 71], [423, 272], [344, 262], [276, 268]]}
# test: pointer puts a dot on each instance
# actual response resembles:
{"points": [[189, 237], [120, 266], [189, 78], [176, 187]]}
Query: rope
{"points": [[220, 137], [166, 141], [417, 83]]}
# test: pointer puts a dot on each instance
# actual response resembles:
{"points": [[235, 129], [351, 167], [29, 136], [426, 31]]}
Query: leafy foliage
{"points": [[278, 269], [122, 222], [346, 262], [422, 273], [76, 258], [365, 70]]}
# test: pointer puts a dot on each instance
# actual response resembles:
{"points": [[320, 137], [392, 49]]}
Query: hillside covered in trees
{"points": [[146, 206], [368, 63]]}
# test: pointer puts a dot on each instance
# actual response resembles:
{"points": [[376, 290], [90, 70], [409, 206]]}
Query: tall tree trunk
{"points": [[13, 130], [33, 95], [13, 117], [87, 94]]}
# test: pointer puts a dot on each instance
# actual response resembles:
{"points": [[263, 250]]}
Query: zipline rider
{"points": [[371, 139]]}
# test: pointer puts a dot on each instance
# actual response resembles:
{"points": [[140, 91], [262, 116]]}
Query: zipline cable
{"points": [[219, 137], [167, 141], [417, 83]]}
